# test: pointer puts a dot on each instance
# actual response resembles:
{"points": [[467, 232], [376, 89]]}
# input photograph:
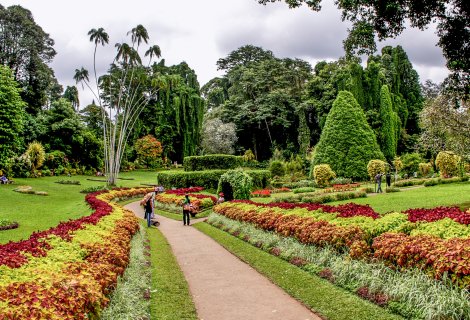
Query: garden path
{"points": [[223, 287]]}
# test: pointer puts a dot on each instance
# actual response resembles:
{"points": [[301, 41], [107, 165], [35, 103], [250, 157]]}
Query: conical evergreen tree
{"points": [[347, 142], [390, 125]]}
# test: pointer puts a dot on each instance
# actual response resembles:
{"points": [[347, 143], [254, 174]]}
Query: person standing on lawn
{"points": [[186, 209]]}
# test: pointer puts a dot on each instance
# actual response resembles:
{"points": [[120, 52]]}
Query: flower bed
{"points": [[364, 236], [265, 193], [438, 213], [176, 197], [67, 271]]}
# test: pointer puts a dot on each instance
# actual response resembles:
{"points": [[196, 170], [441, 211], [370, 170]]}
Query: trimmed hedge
{"points": [[212, 162], [209, 179]]}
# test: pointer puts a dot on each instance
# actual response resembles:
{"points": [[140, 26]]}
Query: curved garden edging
{"points": [[66, 272]]}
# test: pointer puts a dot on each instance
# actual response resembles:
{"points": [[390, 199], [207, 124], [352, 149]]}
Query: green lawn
{"points": [[64, 202], [425, 197], [330, 301], [415, 197]]}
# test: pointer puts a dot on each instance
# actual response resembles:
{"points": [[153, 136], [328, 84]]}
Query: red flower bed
{"points": [[261, 193], [344, 210], [438, 213], [183, 191]]}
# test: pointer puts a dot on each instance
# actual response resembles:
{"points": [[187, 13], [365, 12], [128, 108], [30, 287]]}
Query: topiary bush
{"points": [[277, 168], [447, 163], [374, 167], [322, 174], [212, 162], [347, 143], [235, 184], [425, 169]]}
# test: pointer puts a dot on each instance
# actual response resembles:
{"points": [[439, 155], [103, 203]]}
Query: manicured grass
{"points": [[64, 202], [316, 293], [170, 296], [425, 197]]}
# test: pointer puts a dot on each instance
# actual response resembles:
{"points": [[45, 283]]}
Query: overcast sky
{"points": [[201, 32]]}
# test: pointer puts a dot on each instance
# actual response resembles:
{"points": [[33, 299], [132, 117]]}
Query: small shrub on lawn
{"points": [[392, 189], [75, 182], [304, 190]]}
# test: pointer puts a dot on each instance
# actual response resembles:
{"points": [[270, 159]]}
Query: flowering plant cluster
{"points": [[200, 201], [392, 238], [438, 213], [265, 193], [66, 272], [183, 191]]}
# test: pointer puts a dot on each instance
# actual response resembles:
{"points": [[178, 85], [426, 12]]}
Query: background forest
{"points": [[271, 108]]}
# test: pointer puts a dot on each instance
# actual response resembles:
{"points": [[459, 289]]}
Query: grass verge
{"points": [[318, 294], [130, 299], [170, 296]]}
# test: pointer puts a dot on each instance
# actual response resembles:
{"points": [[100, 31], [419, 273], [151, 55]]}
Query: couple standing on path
{"points": [[378, 180]]}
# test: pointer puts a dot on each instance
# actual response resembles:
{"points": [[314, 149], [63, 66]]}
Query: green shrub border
{"points": [[209, 179], [212, 162]]}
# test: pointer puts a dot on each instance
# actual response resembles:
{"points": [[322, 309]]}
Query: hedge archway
{"points": [[235, 184]]}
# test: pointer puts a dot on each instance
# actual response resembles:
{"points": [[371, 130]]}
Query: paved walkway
{"points": [[223, 287]]}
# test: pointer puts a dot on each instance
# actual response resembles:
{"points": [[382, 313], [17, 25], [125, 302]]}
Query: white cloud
{"points": [[201, 32]]}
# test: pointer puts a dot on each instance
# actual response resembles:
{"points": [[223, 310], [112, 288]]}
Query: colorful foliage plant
{"points": [[438, 213], [183, 191], [386, 239], [176, 197], [344, 210], [67, 271]]}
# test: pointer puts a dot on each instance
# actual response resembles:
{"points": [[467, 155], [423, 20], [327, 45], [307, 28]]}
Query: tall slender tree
{"points": [[122, 94]]}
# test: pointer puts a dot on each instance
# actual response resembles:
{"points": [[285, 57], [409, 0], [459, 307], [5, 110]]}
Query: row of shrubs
{"points": [[212, 162], [430, 182], [322, 198], [209, 179]]}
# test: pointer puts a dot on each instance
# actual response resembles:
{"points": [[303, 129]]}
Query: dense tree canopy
{"points": [[26, 49], [11, 116], [387, 19], [391, 68]]}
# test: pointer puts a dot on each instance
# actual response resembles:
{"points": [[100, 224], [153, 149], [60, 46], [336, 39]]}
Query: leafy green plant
{"points": [[277, 168], [235, 184]]}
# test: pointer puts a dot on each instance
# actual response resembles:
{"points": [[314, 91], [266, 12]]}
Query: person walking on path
{"points": [[378, 180], [186, 209]]}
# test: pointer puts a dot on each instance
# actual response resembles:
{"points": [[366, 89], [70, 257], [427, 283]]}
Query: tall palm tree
{"points": [[98, 36], [124, 51], [81, 75], [153, 51], [139, 34]]}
